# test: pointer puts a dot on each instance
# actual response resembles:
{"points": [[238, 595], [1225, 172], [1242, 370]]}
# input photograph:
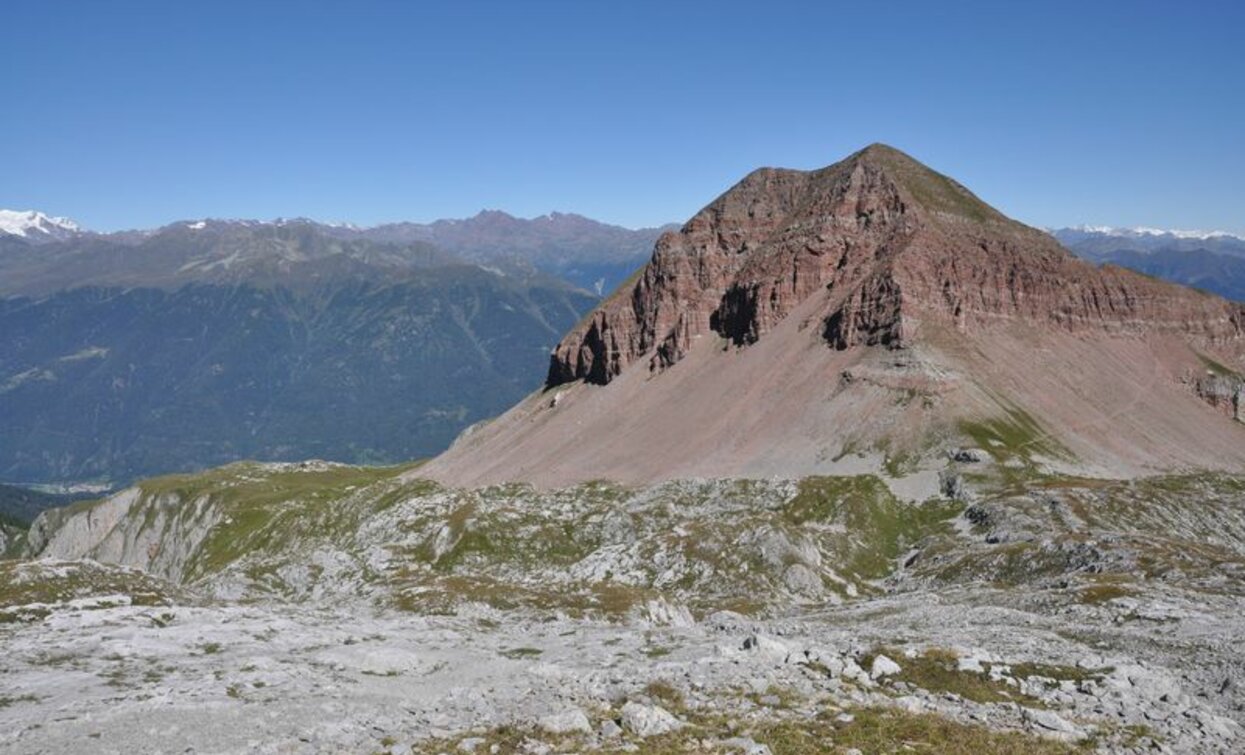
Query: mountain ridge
{"points": [[587, 253]]}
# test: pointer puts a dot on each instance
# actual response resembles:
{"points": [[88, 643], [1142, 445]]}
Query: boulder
{"points": [[648, 720], [1053, 723], [569, 721], [882, 667]]}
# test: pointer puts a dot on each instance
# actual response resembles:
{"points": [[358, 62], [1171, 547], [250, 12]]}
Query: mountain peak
{"points": [[874, 305], [883, 153], [923, 186], [36, 226], [883, 242]]}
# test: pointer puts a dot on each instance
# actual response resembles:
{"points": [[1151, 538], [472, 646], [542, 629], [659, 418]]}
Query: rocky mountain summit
{"points": [[890, 247], [797, 295]]}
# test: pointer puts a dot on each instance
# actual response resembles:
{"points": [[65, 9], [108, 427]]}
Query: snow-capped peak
{"points": [[1141, 231], [34, 225]]}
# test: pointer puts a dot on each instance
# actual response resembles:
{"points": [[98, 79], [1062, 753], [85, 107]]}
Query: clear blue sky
{"points": [[131, 114]]}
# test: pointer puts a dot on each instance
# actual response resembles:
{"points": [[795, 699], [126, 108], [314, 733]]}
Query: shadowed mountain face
{"points": [[875, 305], [202, 343]]}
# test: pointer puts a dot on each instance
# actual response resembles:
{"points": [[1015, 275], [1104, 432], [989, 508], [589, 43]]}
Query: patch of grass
{"points": [[1005, 564], [9, 700], [936, 671], [509, 537], [1058, 673], [876, 527], [519, 653], [1133, 734], [1015, 435], [1100, 593], [871, 730], [666, 694], [24, 583], [884, 730], [775, 697], [210, 648], [267, 511]]}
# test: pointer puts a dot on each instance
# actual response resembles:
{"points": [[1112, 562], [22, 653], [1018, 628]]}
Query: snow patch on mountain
{"points": [[1143, 231], [32, 224]]}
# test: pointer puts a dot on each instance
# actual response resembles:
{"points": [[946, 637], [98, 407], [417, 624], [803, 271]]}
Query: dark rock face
{"points": [[886, 244]]}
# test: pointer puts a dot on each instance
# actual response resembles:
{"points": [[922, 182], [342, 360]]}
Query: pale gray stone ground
{"points": [[274, 678]]}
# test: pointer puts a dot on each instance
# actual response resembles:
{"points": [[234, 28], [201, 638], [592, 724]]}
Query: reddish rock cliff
{"points": [[889, 244]]}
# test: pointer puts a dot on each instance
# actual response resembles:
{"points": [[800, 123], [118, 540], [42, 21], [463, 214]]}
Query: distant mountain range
{"points": [[39, 253], [593, 255], [132, 354], [1211, 261]]}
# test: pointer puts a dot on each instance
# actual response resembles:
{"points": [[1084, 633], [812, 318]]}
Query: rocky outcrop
{"points": [[158, 533], [1225, 392], [887, 244]]}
